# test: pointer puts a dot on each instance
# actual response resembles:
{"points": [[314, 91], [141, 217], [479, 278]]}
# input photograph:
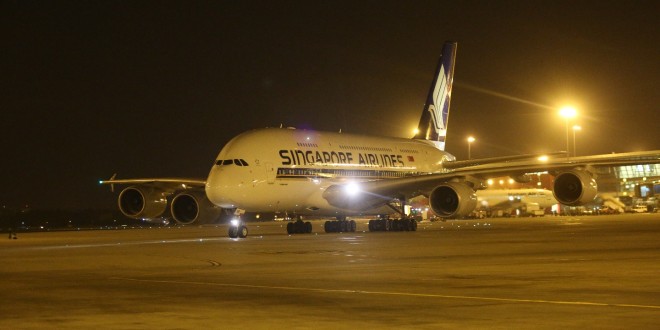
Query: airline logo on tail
{"points": [[441, 97], [433, 124]]}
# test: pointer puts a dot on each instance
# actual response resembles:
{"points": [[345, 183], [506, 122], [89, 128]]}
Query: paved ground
{"points": [[556, 272]]}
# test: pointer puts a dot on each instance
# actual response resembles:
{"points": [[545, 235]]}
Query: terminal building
{"points": [[641, 181]]}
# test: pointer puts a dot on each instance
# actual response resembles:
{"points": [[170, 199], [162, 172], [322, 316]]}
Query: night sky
{"points": [[153, 89]]}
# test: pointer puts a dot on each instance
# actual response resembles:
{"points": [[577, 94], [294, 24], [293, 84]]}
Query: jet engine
{"points": [[575, 188], [194, 207], [142, 202], [453, 200]]}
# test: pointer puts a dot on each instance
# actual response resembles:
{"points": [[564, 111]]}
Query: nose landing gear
{"points": [[237, 229]]}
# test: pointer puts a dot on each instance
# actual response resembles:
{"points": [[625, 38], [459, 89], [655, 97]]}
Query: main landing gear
{"points": [[386, 224], [299, 227], [341, 225]]}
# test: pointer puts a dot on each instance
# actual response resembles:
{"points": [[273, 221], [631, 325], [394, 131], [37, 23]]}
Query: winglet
{"points": [[112, 178]]}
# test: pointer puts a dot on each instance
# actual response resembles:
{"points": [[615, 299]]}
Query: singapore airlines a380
{"points": [[316, 173]]}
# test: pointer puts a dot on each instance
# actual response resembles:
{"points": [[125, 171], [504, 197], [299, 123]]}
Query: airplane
{"points": [[317, 173], [504, 199]]}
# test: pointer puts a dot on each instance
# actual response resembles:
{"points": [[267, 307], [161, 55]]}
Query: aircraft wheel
{"points": [[289, 228], [404, 225], [242, 232], [308, 227], [413, 225], [397, 225], [233, 232], [353, 226]]}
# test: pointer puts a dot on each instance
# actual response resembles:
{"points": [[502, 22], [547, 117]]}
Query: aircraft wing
{"points": [[373, 193], [167, 184]]}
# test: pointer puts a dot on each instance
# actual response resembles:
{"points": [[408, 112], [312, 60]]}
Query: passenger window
{"points": [[243, 162], [238, 162], [227, 162]]}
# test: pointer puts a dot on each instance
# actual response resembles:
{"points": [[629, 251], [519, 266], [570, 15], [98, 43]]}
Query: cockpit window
{"points": [[239, 162]]}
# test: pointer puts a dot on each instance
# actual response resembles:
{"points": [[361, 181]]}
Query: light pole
{"points": [[469, 141], [575, 129], [567, 112]]}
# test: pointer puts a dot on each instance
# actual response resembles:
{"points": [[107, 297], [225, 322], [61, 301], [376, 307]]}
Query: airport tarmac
{"points": [[544, 273]]}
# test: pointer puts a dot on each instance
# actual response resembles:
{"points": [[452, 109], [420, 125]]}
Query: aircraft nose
{"points": [[216, 189]]}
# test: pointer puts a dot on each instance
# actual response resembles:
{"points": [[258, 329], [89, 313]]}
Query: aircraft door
{"points": [[270, 173]]}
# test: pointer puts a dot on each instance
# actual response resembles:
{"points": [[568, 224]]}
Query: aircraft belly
{"points": [[279, 196]]}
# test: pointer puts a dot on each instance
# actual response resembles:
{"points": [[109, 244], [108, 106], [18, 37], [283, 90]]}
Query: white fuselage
{"points": [[277, 170]]}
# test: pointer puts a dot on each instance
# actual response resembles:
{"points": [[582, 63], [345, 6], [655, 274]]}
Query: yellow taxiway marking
{"points": [[385, 293]]}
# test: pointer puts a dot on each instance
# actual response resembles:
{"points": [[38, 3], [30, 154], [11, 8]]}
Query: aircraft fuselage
{"points": [[275, 169]]}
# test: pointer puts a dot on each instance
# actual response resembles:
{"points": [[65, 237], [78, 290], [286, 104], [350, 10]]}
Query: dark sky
{"points": [[147, 89]]}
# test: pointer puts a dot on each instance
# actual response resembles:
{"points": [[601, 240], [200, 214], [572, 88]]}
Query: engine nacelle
{"points": [[142, 202], [575, 188], [453, 200], [194, 207]]}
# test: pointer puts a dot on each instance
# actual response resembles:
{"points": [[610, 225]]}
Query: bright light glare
{"points": [[352, 188], [470, 139], [577, 127], [543, 158], [490, 182], [235, 222], [415, 131], [568, 112]]}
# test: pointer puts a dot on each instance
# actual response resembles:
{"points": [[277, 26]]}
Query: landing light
{"points": [[235, 222], [352, 189], [543, 158]]}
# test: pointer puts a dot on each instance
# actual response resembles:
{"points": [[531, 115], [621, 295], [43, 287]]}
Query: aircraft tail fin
{"points": [[433, 124]]}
